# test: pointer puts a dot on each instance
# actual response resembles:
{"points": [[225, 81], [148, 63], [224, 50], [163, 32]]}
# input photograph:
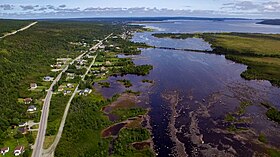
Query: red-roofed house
{"points": [[27, 100], [5, 150], [18, 150]]}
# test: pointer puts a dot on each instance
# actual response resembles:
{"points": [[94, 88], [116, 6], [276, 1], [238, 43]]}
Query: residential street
{"points": [[37, 150], [38, 146]]}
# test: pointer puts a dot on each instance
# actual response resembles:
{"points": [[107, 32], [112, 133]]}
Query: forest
{"points": [[8, 26], [26, 58]]}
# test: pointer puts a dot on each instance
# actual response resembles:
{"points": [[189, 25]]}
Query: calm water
{"points": [[209, 87], [191, 26]]}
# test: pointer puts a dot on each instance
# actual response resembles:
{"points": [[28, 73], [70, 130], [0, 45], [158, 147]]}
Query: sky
{"points": [[139, 8]]}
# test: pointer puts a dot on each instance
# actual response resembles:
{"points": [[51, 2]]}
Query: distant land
{"points": [[138, 19], [270, 22]]}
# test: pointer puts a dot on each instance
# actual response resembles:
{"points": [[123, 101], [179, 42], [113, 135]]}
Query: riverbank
{"points": [[260, 52], [116, 122]]}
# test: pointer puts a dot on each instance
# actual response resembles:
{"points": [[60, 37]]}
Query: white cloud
{"points": [[6, 7], [251, 9]]}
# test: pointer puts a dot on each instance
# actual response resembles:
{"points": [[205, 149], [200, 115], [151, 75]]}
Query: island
{"points": [[270, 22]]}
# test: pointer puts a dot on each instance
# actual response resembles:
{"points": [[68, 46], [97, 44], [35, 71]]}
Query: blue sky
{"points": [[109, 8]]}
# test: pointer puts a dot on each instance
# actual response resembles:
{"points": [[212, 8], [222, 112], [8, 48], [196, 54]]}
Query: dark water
{"points": [[206, 81], [209, 87]]}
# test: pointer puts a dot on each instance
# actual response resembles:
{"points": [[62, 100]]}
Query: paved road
{"points": [[37, 150], [22, 29], [38, 146], [50, 151]]}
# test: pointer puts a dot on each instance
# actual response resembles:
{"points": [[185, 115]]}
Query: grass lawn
{"points": [[48, 141], [11, 142]]}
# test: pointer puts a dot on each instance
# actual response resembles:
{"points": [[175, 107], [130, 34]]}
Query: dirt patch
{"points": [[113, 130], [141, 145], [124, 101], [137, 123]]}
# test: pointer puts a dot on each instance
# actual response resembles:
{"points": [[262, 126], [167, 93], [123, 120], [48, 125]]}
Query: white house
{"points": [[48, 78], [19, 150], [33, 86], [69, 85], [23, 124], [5, 150], [67, 92], [87, 90], [31, 108]]}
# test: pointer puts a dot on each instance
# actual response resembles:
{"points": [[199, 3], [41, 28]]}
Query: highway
{"points": [[38, 147], [22, 29]]}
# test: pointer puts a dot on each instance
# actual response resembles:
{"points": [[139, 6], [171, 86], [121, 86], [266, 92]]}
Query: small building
{"points": [[87, 90], [69, 85], [70, 76], [82, 92], [23, 130], [5, 150], [60, 89], [19, 150], [27, 100], [67, 92], [48, 79], [31, 108], [108, 63], [102, 47], [23, 124], [102, 68], [33, 86]]}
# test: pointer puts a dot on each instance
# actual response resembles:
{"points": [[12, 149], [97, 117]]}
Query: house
{"points": [[66, 92], [5, 150], [27, 100], [19, 150], [103, 68], [23, 124], [70, 75], [87, 90], [108, 63], [60, 89], [102, 47], [31, 108], [82, 92], [23, 130], [33, 85], [48, 78], [69, 85]]}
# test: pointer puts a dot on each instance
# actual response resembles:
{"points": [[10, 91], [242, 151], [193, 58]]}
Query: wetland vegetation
{"points": [[81, 126]]}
